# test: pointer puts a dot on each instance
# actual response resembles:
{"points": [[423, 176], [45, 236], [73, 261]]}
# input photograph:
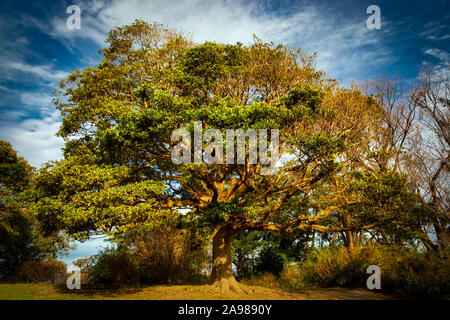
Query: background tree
{"points": [[429, 162], [375, 188], [259, 252], [20, 236]]}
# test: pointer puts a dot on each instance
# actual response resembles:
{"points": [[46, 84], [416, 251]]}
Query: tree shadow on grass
{"points": [[89, 290]]}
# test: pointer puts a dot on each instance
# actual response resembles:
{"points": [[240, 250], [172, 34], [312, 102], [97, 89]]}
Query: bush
{"points": [[404, 271], [169, 256], [330, 267], [267, 280], [85, 264], [259, 252], [48, 271], [160, 254], [270, 260], [113, 267]]}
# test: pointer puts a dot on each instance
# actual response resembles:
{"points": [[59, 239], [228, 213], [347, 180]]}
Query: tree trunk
{"points": [[443, 235], [238, 263], [222, 275], [349, 238]]}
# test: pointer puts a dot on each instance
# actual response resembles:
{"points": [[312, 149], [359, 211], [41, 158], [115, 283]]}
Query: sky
{"points": [[37, 48]]}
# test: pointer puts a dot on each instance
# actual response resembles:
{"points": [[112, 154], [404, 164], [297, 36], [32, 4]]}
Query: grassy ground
{"points": [[50, 292]]}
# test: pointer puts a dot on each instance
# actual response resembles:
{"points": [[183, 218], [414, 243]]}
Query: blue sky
{"points": [[38, 50]]}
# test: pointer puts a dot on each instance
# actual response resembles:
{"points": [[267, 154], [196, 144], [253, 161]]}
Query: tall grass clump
{"points": [[404, 271]]}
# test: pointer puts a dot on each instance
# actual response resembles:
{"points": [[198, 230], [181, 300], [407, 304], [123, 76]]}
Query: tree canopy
{"points": [[118, 120], [21, 238]]}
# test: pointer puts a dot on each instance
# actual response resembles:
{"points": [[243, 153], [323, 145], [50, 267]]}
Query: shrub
{"points": [[160, 254], [267, 280], [424, 275], [404, 271], [48, 271], [85, 264], [113, 266], [168, 256], [270, 260]]}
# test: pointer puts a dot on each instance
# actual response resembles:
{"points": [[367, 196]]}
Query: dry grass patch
{"points": [[179, 292]]}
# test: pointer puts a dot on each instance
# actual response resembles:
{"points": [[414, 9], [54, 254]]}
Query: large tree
{"points": [[118, 120]]}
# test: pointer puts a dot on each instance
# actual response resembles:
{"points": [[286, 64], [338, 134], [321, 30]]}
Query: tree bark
{"points": [[222, 275], [349, 238], [238, 263], [443, 235]]}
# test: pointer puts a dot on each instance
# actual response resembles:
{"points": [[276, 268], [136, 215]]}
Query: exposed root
{"points": [[227, 285]]}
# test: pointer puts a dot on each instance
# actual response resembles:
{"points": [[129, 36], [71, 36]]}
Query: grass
{"points": [[179, 292]]}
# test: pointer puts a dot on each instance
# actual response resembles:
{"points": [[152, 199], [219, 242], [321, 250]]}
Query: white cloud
{"points": [[45, 72], [435, 31], [84, 249], [431, 37], [37, 101], [346, 48], [34, 139], [14, 115], [441, 67], [443, 56]]}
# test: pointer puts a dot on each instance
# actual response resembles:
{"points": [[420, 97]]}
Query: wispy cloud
{"points": [[34, 138], [443, 56], [46, 72], [435, 31], [346, 48], [431, 37]]}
